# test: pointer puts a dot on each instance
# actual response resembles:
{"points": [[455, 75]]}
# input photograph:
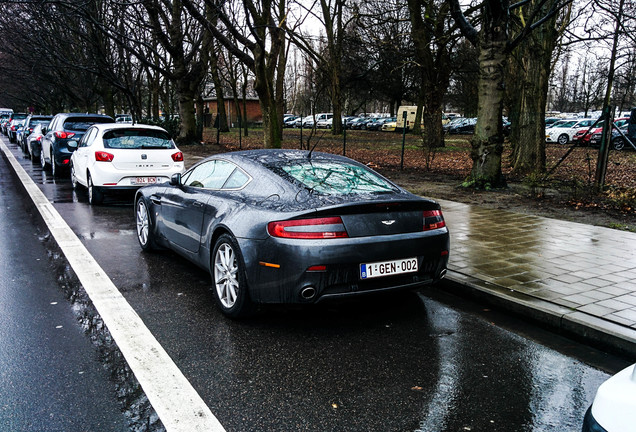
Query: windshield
{"points": [[137, 139], [334, 177]]}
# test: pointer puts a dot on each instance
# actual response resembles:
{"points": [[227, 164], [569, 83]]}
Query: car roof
{"points": [[112, 126]]}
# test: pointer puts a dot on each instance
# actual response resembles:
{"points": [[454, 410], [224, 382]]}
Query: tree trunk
{"points": [[487, 141], [186, 97], [531, 69], [218, 88]]}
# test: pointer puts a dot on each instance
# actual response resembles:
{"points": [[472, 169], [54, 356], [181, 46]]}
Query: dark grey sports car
{"points": [[290, 226]]}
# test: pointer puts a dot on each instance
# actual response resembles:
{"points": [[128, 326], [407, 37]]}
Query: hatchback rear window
{"points": [[334, 178], [82, 124], [137, 139]]}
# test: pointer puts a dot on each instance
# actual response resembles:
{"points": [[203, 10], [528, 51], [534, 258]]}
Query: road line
{"points": [[177, 403]]}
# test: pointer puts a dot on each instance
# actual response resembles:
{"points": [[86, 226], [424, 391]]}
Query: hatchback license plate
{"points": [[145, 180], [388, 268]]}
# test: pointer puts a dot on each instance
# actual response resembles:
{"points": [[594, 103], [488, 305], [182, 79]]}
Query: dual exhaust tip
{"points": [[309, 292]]}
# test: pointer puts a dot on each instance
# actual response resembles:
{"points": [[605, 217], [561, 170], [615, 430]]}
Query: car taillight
{"points": [[102, 156], [39, 138], [13, 128], [433, 219], [177, 157], [317, 228], [63, 135]]}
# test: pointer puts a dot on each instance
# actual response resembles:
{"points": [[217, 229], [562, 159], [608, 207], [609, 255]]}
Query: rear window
{"points": [[137, 139], [43, 122], [82, 124], [334, 178]]}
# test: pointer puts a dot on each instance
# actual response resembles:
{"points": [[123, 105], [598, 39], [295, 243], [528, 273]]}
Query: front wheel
{"points": [[563, 139], [43, 163], [228, 277]]}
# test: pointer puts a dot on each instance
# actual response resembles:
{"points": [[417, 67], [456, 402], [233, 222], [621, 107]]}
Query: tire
{"points": [[74, 181], [145, 226], [619, 144], [55, 171], [43, 163], [563, 139], [95, 194], [229, 283]]}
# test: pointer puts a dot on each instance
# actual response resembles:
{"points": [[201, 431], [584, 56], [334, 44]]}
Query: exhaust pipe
{"points": [[308, 293], [442, 274]]}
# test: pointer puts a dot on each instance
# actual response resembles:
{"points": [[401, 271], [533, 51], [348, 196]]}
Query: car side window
{"points": [[87, 140], [214, 174]]}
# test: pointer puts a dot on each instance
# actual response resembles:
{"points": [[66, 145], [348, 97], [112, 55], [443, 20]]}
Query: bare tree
{"points": [[495, 44]]}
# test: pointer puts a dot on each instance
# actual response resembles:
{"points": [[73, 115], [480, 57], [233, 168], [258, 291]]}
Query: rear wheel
{"points": [[95, 194], [563, 139], [145, 226], [228, 278]]}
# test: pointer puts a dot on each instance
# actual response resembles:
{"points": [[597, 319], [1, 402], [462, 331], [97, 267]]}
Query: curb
{"points": [[577, 325]]}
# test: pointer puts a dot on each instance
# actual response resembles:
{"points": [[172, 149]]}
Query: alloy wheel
{"points": [[226, 275]]}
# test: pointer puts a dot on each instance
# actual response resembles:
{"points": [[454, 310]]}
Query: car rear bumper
{"points": [[282, 272]]}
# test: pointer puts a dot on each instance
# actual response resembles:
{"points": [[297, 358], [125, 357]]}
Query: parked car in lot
{"points": [[29, 125], [377, 123], [465, 126], [17, 120], [291, 226], [288, 121], [389, 125], [122, 157], [34, 141], [614, 406], [64, 127], [563, 132]]}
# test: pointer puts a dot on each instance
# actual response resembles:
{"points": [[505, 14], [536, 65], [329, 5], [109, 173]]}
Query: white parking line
{"points": [[178, 405]]}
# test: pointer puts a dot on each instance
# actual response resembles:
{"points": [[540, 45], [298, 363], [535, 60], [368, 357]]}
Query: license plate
{"points": [[145, 180], [388, 268]]}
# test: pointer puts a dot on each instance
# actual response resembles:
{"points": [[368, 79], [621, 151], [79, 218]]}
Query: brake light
{"points": [[433, 219], [177, 157], [39, 138], [63, 134], [102, 156], [13, 128], [317, 228]]}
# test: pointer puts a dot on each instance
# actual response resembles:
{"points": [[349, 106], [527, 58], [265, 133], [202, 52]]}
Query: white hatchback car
{"points": [[120, 156], [563, 131]]}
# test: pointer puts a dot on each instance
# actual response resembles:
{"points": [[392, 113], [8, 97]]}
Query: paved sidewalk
{"points": [[578, 278]]}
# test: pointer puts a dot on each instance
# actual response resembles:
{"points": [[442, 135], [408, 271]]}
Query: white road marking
{"points": [[178, 405]]}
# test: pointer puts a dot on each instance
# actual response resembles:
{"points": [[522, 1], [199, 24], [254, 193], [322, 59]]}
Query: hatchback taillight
{"points": [[63, 134], [102, 156], [433, 219], [177, 157], [316, 228]]}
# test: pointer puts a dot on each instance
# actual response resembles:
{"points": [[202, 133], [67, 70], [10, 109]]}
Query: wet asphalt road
{"points": [[422, 361]]}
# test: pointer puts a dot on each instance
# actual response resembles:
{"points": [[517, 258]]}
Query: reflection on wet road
{"points": [[410, 362]]}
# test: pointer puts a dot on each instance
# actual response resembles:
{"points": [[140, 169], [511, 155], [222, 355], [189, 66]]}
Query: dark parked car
{"points": [[63, 128], [29, 125], [34, 141], [292, 226]]}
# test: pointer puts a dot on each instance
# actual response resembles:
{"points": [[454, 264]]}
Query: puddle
{"points": [[138, 411]]}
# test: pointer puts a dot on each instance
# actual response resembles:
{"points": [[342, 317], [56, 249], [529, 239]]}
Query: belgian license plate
{"points": [[388, 268], [145, 180]]}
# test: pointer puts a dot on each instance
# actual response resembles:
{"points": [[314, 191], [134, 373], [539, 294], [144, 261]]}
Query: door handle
{"points": [[155, 200], [197, 204]]}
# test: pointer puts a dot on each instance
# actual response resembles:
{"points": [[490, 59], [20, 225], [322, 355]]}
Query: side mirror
{"points": [[175, 180], [72, 145]]}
